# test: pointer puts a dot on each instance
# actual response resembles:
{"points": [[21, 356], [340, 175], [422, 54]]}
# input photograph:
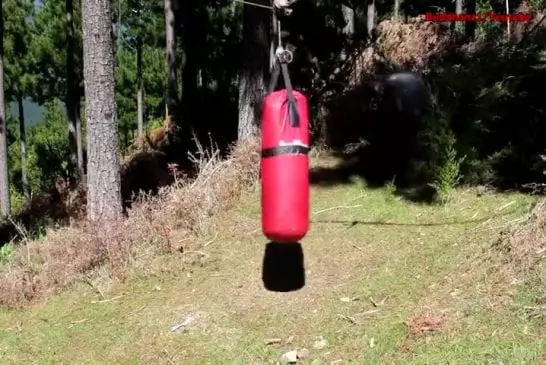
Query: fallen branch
{"points": [[347, 318], [338, 207], [106, 300]]}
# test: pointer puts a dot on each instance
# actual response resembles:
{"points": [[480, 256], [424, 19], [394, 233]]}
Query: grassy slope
{"points": [[410, 260]]}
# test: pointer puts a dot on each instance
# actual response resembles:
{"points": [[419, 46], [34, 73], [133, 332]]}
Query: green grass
{"points": [[409, 259]]}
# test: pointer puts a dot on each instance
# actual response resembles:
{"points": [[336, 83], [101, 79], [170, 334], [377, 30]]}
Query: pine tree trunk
{"points": [[508, 32], [396, 9], [170, 50], [75, 143], [79, 140], [5, 204], [140, 102], [459, 26], [103, 172], [192, 39], [348, 30], [370, 17], [23, 142], [252, 85]]}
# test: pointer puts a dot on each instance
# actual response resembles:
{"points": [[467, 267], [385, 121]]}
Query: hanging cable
{"points": [[277, 4], [254, 4]]}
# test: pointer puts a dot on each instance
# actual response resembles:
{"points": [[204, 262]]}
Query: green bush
{"points": [[448, 172], [6, 251]]}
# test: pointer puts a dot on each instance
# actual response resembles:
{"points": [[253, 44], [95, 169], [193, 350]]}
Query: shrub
{"points": [[447, 174]]}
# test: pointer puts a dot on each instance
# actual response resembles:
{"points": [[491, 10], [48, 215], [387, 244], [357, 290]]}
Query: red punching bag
{"points": [[285, 166]]}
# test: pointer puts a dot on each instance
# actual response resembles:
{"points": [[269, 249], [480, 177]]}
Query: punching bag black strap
{"points": [[282, 58], [285, 150], [294, 118]]}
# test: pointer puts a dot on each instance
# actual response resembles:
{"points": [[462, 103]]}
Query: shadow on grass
{"points": [[353, 223], [345, 172], [283, 267]]}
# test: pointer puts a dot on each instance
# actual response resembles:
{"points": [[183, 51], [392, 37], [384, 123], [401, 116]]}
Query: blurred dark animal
{"points": [[376, 125], [144, 171], [393, 107], [44, 209]]}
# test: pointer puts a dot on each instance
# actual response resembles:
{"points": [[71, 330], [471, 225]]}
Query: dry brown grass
{"points": [[536, 26], [155, 225], [523, 247], [414, 46]]}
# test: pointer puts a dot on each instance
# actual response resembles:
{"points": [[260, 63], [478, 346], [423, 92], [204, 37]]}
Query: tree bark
{"points": [[75, 142], [396, 9], [79, 140], [370, 18], [348, 13], [459, 26], [170, 52], [5, 204], [103, 171], [23, 143], [508, 32], [252, 85], [140, 102], [192, 37]]}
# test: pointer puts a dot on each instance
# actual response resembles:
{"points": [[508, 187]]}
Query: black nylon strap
{"points": [[293, 115], [294, 118], [285, 150]]}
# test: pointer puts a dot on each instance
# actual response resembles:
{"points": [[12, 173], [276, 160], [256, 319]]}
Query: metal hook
{"points": [[284, 55]]}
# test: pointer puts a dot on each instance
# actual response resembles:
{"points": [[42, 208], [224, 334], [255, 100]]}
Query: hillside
{"points": [[387, 282], [33, 112]]}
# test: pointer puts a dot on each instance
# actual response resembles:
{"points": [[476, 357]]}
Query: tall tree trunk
{"points": [[370, 18], [459, 26], [192, 37], [5, 204], [23, 142], [103, 171], [170, 52], [396, 10], [252, 87], [140, 102], [508, 32], [79, 139], [75, 143], [348, 13]]}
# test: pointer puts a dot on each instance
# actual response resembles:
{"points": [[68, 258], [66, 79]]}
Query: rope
{"points": [[254, 4]]}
